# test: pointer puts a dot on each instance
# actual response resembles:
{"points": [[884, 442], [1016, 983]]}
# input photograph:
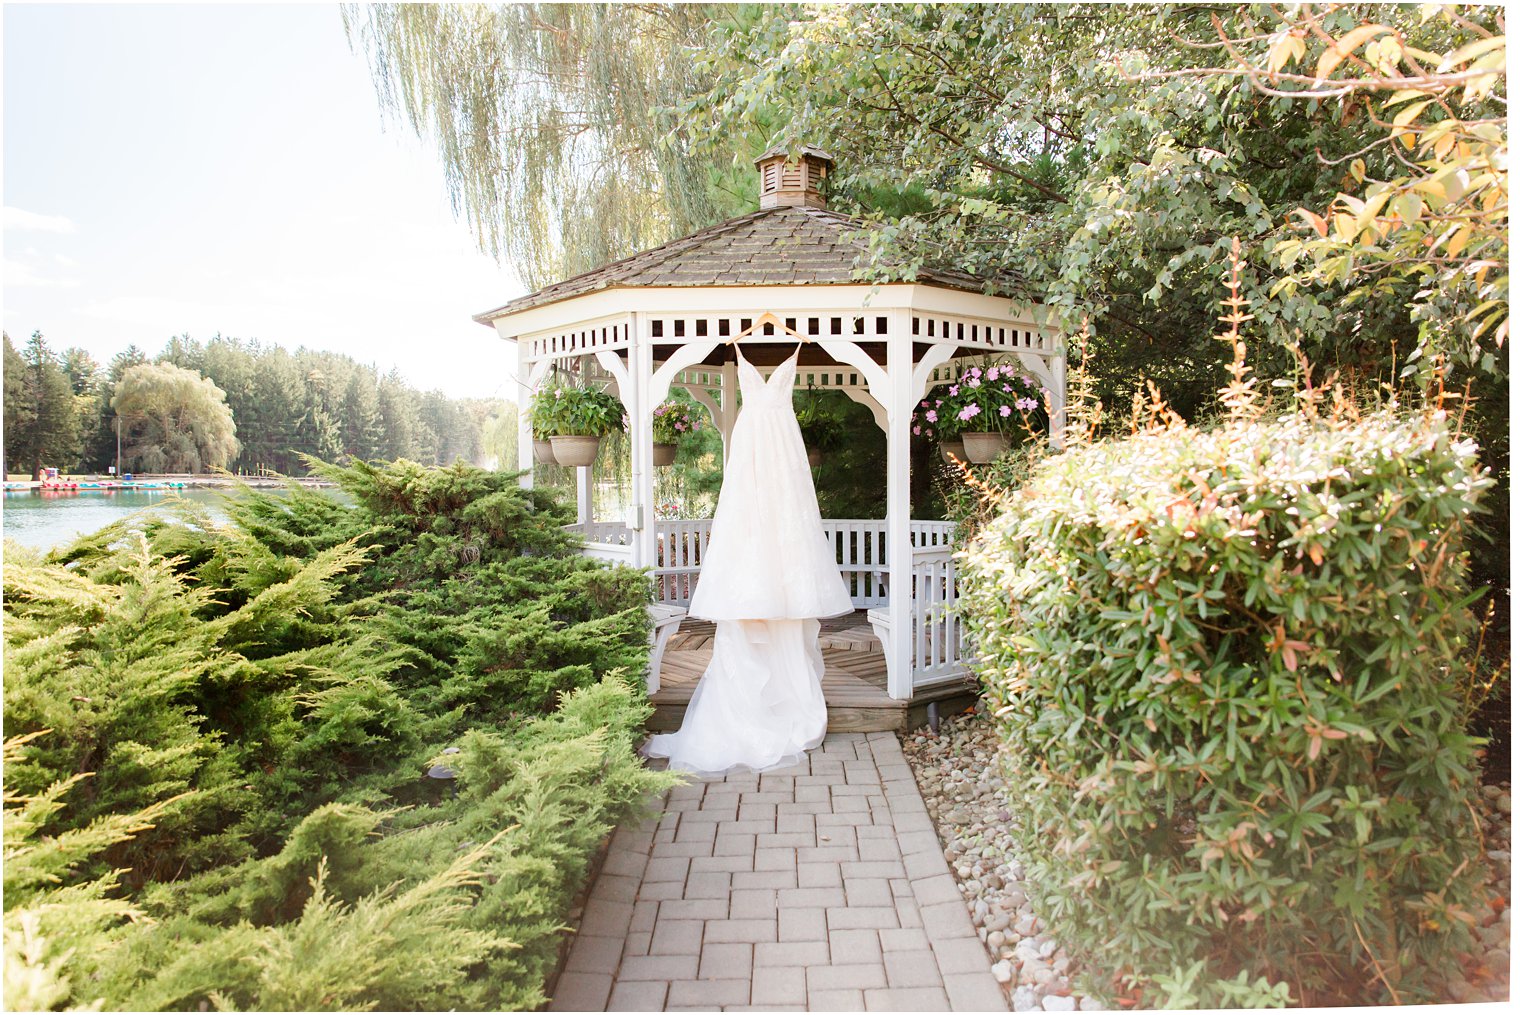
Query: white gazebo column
{"points": [[899, 645], [583, 478], [641, 438], [584, 512], [1058, 401]]}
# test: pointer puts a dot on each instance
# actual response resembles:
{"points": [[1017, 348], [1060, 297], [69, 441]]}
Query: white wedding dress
{"points": [[768, 575]]}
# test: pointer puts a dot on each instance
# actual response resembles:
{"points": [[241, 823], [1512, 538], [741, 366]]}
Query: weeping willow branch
{"points": [[555, 123]]}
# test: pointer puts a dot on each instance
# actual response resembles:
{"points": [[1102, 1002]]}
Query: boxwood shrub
{"points": [[1226, 665]]}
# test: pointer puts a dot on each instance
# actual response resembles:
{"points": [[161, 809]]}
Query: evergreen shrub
{"points": [[1226, 664], [220, 729]]}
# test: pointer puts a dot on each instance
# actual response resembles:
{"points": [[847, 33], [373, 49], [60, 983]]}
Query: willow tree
{"points": [[556, 123], [174, 420]]}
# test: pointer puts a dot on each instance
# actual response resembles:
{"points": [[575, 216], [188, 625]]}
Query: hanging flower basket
{"points": [[986, 411], [814, 457], [543, 451], [983, 446], [575, 420], [575, 450], [672, 422], [954, 447]]}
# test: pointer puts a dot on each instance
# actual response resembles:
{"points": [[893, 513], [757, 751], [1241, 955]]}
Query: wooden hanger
{"points": [[762, 321]]}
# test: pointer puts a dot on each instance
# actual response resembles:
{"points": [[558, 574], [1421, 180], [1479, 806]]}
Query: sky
{"points": [[204, 169]]}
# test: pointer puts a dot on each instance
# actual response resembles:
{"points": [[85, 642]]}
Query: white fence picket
{"points": [[859, 545]]}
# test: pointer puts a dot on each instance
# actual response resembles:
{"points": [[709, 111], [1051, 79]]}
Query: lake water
{"points": [[49, 519]]}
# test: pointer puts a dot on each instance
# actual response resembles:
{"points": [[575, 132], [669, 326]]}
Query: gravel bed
{"points": [[963, 788]]}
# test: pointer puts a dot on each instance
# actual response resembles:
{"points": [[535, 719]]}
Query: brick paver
{"points": [[821, 887]]}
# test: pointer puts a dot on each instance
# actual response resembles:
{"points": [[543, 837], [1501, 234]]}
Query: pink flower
{"points": [[931, 415], [1005, 411], [992, 373], [955, 389], [917, 431], [974, 383], [938, 402], [1028, 381], [1008, 388], [975, 372], [1027, 404], [969, 411], [680, 425]]}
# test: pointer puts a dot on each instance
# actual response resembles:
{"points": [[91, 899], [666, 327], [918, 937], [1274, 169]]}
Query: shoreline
{"points": [[96, 483]]}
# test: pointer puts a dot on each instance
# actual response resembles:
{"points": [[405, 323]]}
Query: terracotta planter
{"points": [[983, 447], [955, 447], [815, 457], [665, 454], [575, 451], [543, 452]]}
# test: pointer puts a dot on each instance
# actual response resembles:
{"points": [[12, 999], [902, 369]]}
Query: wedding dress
{"points": [[768, 575]]}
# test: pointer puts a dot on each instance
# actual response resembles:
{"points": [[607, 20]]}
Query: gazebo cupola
{"points": [[793, 183], [666, 317]]}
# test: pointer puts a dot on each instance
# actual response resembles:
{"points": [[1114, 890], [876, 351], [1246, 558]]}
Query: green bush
{"points": [[224, 727], [1227, 666]]}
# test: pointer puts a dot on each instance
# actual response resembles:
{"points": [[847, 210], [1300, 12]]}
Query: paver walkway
{"points": [[818, 887]]}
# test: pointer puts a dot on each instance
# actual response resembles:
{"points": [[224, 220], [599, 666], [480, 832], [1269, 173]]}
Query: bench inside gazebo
{"points": [[667, 317]]}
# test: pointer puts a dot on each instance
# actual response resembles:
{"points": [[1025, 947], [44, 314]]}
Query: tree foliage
{"points": [[285, 405], [173, 420], [1432, 201], [555, 122], [41, 418]]}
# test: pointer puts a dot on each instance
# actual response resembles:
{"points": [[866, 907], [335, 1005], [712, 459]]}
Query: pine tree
{"points": [[363, 434], [41, 425], [398, 418]]}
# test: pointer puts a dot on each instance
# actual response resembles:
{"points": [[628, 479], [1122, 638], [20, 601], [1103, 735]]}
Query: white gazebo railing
{"points": [[936, 634]]}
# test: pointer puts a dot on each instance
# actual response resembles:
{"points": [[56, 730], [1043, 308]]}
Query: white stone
{"points": [[1056, 1002]]}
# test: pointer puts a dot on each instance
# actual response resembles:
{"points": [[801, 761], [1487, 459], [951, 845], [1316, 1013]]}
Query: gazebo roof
{"points": [[786, 245]]}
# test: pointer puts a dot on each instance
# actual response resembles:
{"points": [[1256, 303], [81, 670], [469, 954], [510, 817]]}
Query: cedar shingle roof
{"points": [[773, 246]]}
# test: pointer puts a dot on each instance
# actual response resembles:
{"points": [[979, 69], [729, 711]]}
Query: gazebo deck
{"points": [[854, 678]]}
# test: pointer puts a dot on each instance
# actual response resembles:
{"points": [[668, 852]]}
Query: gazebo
{"points": [[665, 317]]}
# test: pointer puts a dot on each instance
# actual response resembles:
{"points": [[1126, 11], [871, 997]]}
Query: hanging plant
{"points": [[995, 407], [822, 431], [672, 421], [575, 420], [936, 418]]}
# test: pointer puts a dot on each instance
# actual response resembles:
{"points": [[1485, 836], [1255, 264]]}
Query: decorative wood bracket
{"points": [[937, 356], [875, 376], [685, 356], [614, 365]]}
